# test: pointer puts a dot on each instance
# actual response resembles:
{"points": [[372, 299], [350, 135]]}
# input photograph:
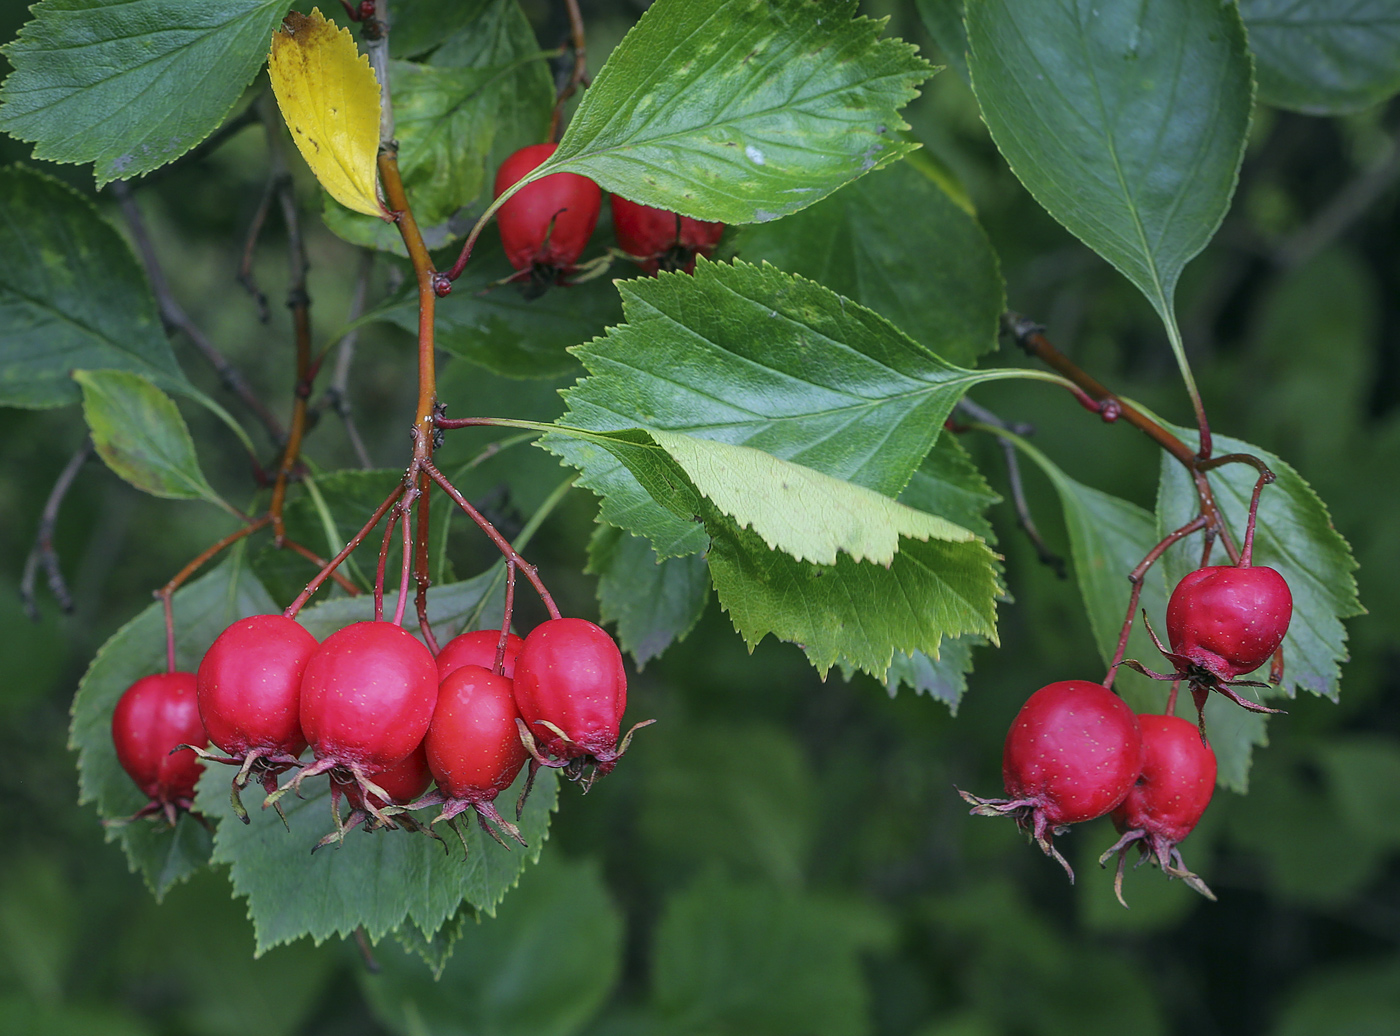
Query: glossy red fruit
{"points": [[367, 697], [546, 223], [1167, 800], [153, 715], [249, 687], [403, 782], [473, 743], [1229, 620], [1072, 753], [662, 240], [477, 648], [571, 687]]}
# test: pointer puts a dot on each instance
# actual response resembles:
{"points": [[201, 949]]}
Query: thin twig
{"points": [[578, 74], [337, 394], [42, 554], [1013, 475], [174, 317], [245, 274]]}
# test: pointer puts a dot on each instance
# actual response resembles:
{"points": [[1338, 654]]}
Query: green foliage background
{"points": [[781, 855]]}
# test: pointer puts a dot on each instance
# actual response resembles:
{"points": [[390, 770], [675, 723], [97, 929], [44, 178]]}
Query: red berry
{"points": [[367, 697], [404, 782], [1072, 753], [155, 714], [473, 744], [1229, 620], [1169, 797], [546, 223], [250, 686], [477, 648], [662, 240], [569, 675]]}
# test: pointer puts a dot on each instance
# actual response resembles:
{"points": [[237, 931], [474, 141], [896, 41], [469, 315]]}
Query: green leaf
{"points": [[138, 431], [348, 497], [542, 967], [758, 960], [853, 613], [500, 329], [1324, 57], [1109, 537], [749, 355], [446, 121], [131, 85], [740, 794], [202, 610], [479, 600], [742, 111], [799, 511], [377, 880], [895, 242], [71, 296], [1126, 122], [944, 21], [932, 579], [949, 484], [943, 678], [1294, 536], [653, 602]]}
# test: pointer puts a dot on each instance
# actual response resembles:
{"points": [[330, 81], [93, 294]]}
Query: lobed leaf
{"points": [[653, 602], [202, 610], [1127, 122], [896, 242], [742, 110], [1324, 57], [138, 431], [71, 296], [377, 880], [858, 615], [751, 356], [329, 97], [1295, 536], [131, 85]]}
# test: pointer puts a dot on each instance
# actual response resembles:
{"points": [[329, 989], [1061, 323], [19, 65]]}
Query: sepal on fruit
{"points": [[1029, 817], [1162, 850]]}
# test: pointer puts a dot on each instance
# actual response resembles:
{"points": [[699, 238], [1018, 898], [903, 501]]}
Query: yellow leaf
{"points": [[330, 99]]}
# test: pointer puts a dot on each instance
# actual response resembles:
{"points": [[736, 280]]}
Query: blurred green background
{"points": [[781, 855]]}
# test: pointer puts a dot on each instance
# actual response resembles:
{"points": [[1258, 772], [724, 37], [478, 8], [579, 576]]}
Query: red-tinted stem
{"points": [[505, 622], [1247, 554], [502, 544], [345, 552], [394, 516], [1136, 577], [169, 634], [407, 567]]}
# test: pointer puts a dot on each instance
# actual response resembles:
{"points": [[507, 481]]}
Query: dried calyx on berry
{"points": [[249, 694], [474, 751], [545, 225], [153, 726], [571, 688], [1167, 800], [660, 240], [1072, 754], [367, 696], [1223, 622]]}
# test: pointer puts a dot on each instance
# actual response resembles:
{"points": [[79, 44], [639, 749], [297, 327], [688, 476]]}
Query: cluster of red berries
{"points": [[1076, 751], [383, 717], [546, 224]]}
